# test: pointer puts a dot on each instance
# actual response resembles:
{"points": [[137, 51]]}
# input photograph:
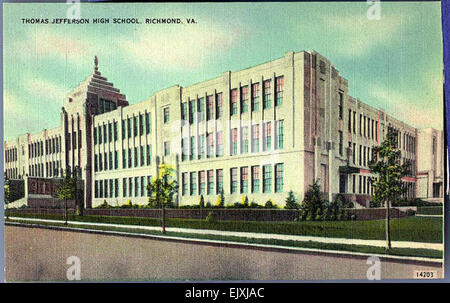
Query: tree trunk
{"points": [[163, 221], [388, 227], [65, 212]]}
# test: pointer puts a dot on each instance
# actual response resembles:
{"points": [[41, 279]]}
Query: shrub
{"points": [[318, 215], [103, 205], [208, 205], [269, 204], [210, 217], [313, 198], [291, 201], [201, 202], [244, 201], [219, 202]]}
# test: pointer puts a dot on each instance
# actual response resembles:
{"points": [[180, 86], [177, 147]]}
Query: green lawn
{"points": [[419, 229]]}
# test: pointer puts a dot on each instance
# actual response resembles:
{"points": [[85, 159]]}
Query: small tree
{"points": [[201, 202], [387, 185], [244, 201], [291, 201], [313, 199], [66, 190], [7, 193], [162, 190]]}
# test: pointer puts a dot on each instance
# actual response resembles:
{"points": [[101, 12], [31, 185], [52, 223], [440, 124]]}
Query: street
{"points": [[39, 254]]}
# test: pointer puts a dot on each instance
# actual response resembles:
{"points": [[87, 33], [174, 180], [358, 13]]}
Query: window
{"points": [[129, 158], [130, 187], [106, 161], [360, 155], [341, 145], [109, 132], [96, 189], [111, 188], [280, 134], [244, 180], [149, 181], [244, 99], [124, 131], [202, 182], [135, 126], [149, 154], [268, 136], [136, 186], [255, 138], [142, 155], [110, 161], [219, 181], [166, 148], [201, 109], [219, 152], [95, 135], [234, 142], [244, 138], [166, 115], [210, 110], [184, 111], [141, 125], [115, 130], [192, 111], [184, 189], [279, 169], [219, 106], [210, 138], [101, 189], [360, 125], [233, 106], [129, 127], [116, 160], [210, 182], [100, 162], [193, 183], [234, 181], [341, 105], [184, 149], [255, 96], [279, 91], [354, 153], [95, 162], [124, 158], [267, 175], [136, 157], [100, 139], [192, 150], [202, 147], [267, 93], [148, 123]]}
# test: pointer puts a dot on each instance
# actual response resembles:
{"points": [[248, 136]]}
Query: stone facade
{"points": [[258, 132]]}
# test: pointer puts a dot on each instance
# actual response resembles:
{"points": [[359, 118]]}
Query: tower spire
{"points": [[96, 62]]}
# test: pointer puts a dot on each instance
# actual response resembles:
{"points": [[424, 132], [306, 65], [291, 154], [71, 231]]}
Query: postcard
{"points": [[285, 141]]}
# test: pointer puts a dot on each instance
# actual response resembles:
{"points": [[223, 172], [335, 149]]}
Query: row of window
{"points": [[12, 173], [130, 158], [210, 145], [196, 110], [368, 127], [131, 187], [210, 182], [52, 169], [53, 145], [11, 155], [131, 127]]}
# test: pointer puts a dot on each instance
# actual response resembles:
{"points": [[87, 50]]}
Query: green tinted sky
{"points": [[394, 63]]}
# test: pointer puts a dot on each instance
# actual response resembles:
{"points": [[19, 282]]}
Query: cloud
{"points": [[413, 110], [48, 43], [46, 90], [177, 48], [356, 35]]}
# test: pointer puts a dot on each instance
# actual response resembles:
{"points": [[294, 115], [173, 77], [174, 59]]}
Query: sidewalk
{"points": [[378, 243]]}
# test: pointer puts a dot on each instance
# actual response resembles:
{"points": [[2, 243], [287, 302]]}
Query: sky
{"points": [[394, 63]]}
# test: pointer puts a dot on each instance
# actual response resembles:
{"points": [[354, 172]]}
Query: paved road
{"points": [[40, 254]]}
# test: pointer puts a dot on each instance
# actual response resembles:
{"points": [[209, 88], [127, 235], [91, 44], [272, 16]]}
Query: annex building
{"points": [[259, 132]]}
